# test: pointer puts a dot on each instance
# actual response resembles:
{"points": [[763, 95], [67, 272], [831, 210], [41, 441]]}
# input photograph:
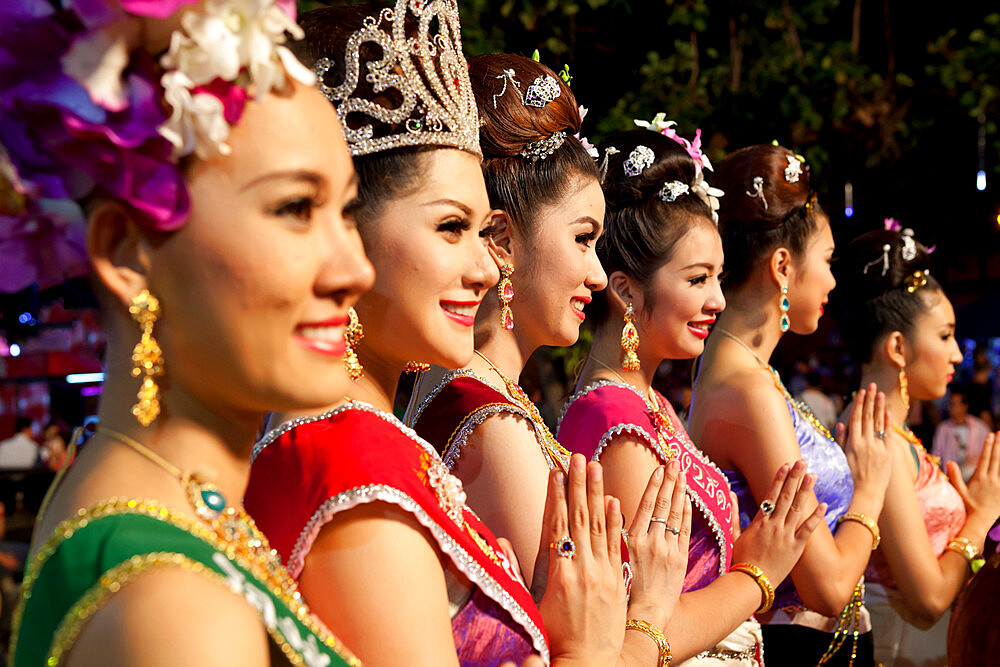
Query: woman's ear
{"points": [[502, 235], [118, 251], [621, 290], [894, 346], [781, 266]]}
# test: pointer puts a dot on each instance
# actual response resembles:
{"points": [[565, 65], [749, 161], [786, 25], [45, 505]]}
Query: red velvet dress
{"points": [[308, 470]]}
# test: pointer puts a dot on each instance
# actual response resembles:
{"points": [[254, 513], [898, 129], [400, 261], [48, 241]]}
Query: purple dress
{"points": [[834, 486]]}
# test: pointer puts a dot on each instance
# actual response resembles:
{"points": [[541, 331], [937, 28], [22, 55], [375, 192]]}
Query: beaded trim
{"points": [[375, 492], [444, 382], [68, 527], [351, 498], [689, 450], [459, 438]]}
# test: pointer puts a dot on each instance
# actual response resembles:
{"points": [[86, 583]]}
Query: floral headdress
{"points": [[699, 185], [86, 106]]}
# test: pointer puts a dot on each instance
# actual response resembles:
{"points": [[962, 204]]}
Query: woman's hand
{"points": [[658, 545], [774, 541], [584, 602], [864, 443], [982, 494]]}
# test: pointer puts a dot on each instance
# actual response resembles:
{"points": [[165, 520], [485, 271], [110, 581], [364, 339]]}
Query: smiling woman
{"points": [[217, 252]]}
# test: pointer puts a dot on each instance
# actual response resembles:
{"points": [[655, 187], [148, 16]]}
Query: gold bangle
{"points": [[964, 547], [656, 635], [757, 574], [867, 523]]}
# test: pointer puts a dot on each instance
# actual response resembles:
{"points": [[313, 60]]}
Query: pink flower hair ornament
{"points": [[87, 107]]}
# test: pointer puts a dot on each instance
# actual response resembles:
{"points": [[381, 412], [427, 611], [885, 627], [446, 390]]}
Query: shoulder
{"points": [[600, 412], [173, 615]]}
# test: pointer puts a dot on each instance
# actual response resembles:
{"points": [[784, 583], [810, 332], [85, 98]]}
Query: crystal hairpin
{"points": [[541, 149], [422, 66], [909, 250], [794, 169], [917, 280], [758, 190], [637, 161], [672, 190], [603, 168], [507, 75], [542, 90], [884, 258]]}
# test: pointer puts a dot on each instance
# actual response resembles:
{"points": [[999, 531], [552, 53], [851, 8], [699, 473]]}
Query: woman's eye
{"points": [[300, 208], [454, 226], [700, 280], [586, 239], [488, 231], [350, 211]]}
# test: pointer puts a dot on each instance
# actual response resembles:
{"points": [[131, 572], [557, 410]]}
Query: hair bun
{"points": [[501, 84], [666, 161], [784, 187], [882, 260]]}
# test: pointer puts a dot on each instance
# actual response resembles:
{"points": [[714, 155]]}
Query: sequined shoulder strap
{"points": [[93, 555]]}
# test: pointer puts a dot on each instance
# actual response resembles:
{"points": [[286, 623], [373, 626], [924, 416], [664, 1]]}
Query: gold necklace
{"points": [[231, 525], [557, 453], [653, 403], [804, 410]]}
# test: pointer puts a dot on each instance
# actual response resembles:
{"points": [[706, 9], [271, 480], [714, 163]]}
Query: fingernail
{"points": [[658, 474], [675, 465], [615, 507], [560, 477], [578, 463], [595, 472]]}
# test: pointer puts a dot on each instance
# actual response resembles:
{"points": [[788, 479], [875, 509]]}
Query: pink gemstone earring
{"points": [[505, 290]]}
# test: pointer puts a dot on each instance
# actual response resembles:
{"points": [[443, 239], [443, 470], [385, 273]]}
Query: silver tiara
{"points": [[542, 90], [427, 70], [541, 149], [640, 158]]}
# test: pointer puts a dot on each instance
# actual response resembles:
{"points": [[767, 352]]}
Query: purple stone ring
{"points": [[564, 546]]}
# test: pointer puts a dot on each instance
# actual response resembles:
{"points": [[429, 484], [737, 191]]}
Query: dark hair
{"points": [[750, 231], [386, 174], [876, 281], [961, 391], [22, 423], [515, 183], [814, 379], [640, 229]]}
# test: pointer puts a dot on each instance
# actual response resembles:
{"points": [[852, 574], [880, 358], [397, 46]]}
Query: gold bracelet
{"points": [[867, 523], [656, 635], [964, 547], [757, 574]]}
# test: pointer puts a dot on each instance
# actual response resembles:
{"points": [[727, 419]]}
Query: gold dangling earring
{"points": [[904, 390], [147, 358], [783, 305], [505, 291], [630, 341], [415, 367], [353, 335]]}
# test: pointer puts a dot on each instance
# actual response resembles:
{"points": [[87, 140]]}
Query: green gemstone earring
{"points": [[783, 306]]}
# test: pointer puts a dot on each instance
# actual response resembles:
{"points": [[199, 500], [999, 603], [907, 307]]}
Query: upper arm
{"points": [[172, 616], [374, 577], [628, 464], [505, 476]]}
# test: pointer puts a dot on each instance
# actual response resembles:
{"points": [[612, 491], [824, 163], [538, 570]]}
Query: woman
{"points": [[778, 246], [145, 554], [664, 256], [380, 529], [901, 326], [549, 210]]}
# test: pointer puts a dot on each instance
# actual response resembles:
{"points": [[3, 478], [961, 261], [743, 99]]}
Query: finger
{"points": [[613, 520], [676, 516], [776, 484], [555, 525], [840, 431], [579, 513], [508, 550], [984, 464], [854, 421], [955, 475], [994, 455], [596, 509], [879, 413], [868, 417], [806, 528], [685, 537], [661, 510], [789, 489], [801, 499], [640, 522]]}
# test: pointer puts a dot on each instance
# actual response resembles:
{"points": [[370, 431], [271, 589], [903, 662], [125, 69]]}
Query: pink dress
{"points": [[606, 410], [897, 637]]}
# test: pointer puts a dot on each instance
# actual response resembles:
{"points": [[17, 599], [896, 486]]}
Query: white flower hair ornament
{"points": [[708, 194], [587, 146], [228, 40]]}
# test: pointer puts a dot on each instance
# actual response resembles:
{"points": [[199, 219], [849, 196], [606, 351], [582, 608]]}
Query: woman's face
{"points": [[931, 349], [683, 297], [429, 248], [255, 288], [812, 281], [556, 266]]}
